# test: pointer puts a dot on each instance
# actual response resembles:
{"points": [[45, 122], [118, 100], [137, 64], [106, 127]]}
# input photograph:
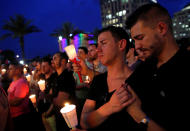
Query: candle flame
{"points": [[67, 104]]}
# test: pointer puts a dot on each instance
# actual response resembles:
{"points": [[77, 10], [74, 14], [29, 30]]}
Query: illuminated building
{"points": [[181, 23], [115, 12]]}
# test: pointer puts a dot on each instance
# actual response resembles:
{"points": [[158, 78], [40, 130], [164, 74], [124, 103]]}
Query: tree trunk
{"points": [[68, 41], [22, 46]]}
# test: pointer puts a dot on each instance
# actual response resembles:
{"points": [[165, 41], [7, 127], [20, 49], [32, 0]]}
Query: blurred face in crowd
{"points": [[57, 61], [14, 71], [34, 63], [52, 64], [81, 54], [107, 48], [38, 66], [46, 68], [92, 53], [148, 41]]}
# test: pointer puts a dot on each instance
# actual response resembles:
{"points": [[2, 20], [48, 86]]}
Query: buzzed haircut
{"points": [[150, 14], [84, 49], [96, 45], [17, 65], [118, 33], [63, 55], [47, 59]]}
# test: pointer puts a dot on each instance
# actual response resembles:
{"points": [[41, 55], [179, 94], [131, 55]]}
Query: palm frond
{"points": [[5, 36]]}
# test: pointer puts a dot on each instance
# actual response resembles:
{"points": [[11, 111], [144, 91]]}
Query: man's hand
{"points": [[120, 99], [81, 67], [134, 109]]}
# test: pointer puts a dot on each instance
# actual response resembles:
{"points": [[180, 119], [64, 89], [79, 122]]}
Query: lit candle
{"points": [[32, 72], [41, 84], [71, 52], [3, 71], [70, 115], [33, 98], [28, 77], [25, 71], [87, 79]]}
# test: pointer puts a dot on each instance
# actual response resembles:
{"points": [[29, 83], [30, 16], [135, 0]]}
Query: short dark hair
{"points": [[63, 55], [84, 49], [47, 59], [150, 14], [96, 45], [17, 65], [118, 33]]}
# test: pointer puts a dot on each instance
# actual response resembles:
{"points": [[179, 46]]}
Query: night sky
{"points": [[48, 15]]}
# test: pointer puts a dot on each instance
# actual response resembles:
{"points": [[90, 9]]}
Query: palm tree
{"points": [[67, 29], [18, 27]]}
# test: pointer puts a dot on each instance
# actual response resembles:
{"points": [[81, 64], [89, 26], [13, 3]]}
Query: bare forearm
{"points": [[95, 118], [152, 126]]}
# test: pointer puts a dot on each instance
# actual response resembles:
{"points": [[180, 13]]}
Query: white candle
{"points": [[87, 79], [3, 71], [28, 77], [32, 72], [41, 84], [70, 115], [33, 98], [71, 52], [25, 71]]}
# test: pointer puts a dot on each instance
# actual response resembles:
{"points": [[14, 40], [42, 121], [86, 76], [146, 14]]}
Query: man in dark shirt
{"points": [[160, 84], [65, 89], [45, 99], [105, 106]]}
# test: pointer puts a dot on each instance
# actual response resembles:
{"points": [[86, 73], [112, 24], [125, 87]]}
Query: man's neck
{"points": [[60, 70], [15, 78], [168, 52], [118, 69], [48, 74]]}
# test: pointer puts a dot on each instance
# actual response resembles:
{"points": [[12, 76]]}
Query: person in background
{"points": [[5, 119], [132, 58], [65, 89], [96, 65], [21, 112], [45, 100]]}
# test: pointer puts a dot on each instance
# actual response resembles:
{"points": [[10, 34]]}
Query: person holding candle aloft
{"points": [[65, 89]]}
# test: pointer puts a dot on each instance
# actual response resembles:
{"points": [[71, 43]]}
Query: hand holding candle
{"points": [[28, 77], [3, 71], [41, 84], [70, 115], [32, 72], [87, 79], [33, 98], [71, 52], [25, 71]]}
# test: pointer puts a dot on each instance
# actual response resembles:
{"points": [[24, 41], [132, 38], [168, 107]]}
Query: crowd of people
{"points": [[136, 86]]}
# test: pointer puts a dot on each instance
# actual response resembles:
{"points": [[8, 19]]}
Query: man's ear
{"points": [[122, 44], [162, 28]]}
